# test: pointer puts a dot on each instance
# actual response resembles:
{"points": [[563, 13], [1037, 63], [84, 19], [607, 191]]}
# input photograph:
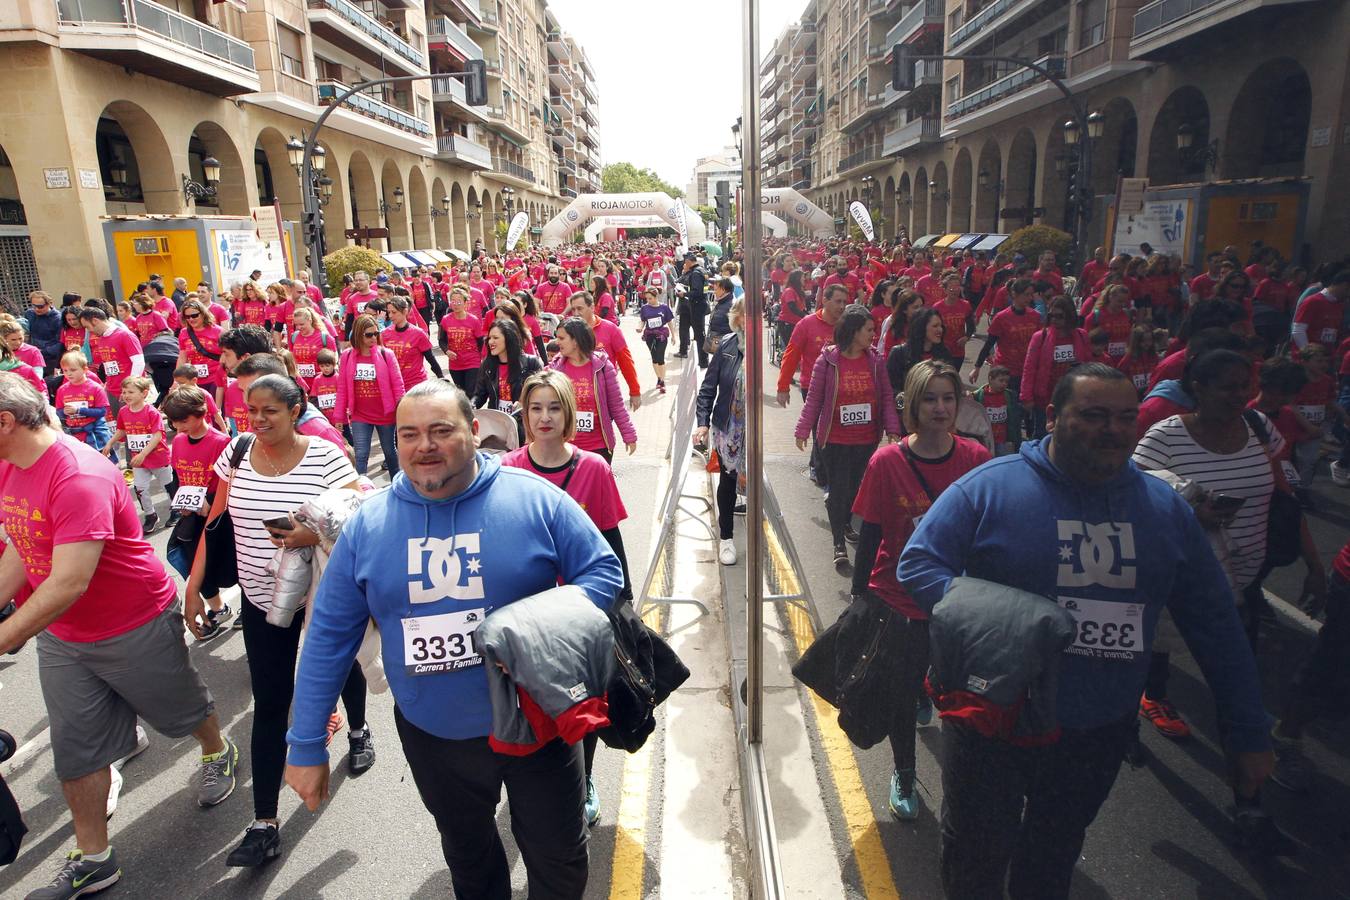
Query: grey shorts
{"points": [[94, 692]]}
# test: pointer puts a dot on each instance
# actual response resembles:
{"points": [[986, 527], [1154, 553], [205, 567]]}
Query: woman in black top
{"points": [[503, 371], [924, 342]]}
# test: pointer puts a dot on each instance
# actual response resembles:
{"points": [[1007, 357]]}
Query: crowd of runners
{"points": [[961, 488]]}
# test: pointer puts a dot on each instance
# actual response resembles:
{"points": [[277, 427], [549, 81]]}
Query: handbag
{"points": [[1284, 522], [221, 569]]}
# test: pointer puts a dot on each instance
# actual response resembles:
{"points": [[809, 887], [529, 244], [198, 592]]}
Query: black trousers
{"points": [[844, 467], [696, 321], [726, 501], [460, 783], [467, 379], [1019, 814], [911, 645], [272, 653]]}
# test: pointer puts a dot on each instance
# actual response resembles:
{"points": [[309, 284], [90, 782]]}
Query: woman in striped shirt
{"points": [[280, 470]]}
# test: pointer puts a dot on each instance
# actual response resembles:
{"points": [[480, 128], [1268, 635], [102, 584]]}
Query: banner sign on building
{"points": [[1167, 226], [863, 218], [239, 252]]}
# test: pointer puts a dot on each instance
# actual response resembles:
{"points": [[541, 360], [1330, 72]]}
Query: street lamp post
{"points": [[194, 191]]}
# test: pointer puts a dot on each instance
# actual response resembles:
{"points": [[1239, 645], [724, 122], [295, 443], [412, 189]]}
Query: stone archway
{"points": [[129, 138], [441, 224], [474, 229], [904, 206], [459, 226], [1113, 154], [490, 207], [419, 209], [939, 198], [1268, 126], [395, 213], [337, 214], [362, 194], [1166, 165], [232, 195], [1020, 190], [276, 179], [921, 203], [889, 220], [962, 177], [988, 187]]}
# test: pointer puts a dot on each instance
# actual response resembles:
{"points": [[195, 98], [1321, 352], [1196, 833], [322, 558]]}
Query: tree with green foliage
{"points": [[1033, 240], [707, 213], [626, 178], [346, 260]]}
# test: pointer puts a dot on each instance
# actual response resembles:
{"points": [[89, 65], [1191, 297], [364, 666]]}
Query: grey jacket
{"points": [[995, 659], [558, 648]]}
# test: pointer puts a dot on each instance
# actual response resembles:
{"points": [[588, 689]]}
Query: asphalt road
{"points": [[1164, 831], [373, 839]]}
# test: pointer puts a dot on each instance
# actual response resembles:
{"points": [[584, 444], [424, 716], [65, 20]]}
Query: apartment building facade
{"points": [[1189, 93], [709, 172], [129, 97], [573, 124]]}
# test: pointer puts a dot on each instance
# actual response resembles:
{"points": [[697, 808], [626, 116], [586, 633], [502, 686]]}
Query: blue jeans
{"points": [[361, 435]]}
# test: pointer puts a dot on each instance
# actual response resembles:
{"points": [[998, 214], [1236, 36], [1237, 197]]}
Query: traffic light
{"points": [[475, 86], [902, 67], [723, 207]]}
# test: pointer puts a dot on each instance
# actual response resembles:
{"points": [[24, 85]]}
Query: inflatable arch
{"points": [[616, 208], [788, 203]]}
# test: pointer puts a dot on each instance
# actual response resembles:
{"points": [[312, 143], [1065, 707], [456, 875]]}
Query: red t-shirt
{"points": [[1314, 399], [73, 338], [1117, 325], [1014, 331], [408, 345], [810, 336], [461, 338], [892, 497], [90, 393], [592, 484], [589, 435], [193, 463], [996, 411], [930, 289], [367, 403], [208, 369], [1140, 369], [1322, 315], [305, 349], [140, 429], [69, 495], [1202, 286], [855, 396], [954, 316], [251, 312], [323, 388]]}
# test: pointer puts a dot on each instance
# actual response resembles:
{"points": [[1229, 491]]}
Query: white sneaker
{"points": [[1340, 475], [142, 741], [114, 790], [726, 552]]}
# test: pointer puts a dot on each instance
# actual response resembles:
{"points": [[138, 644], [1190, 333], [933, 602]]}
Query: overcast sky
{"points": [[632, 48]]}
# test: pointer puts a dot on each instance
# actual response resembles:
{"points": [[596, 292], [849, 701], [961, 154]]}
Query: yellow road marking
{"points": [[874, 868]]}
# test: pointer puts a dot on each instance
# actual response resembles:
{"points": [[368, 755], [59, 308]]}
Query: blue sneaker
{"points": [[592, 804], [904, 799], [923, 715]]}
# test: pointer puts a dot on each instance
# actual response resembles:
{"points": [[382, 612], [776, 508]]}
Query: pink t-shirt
{"points": [[589, 435], [367, 404], [553, 298], [324, 430], [355, 302], [31, 355], [461, 337], [251, 312], [591, 485], [236, 409], [113, 352], [209, 370], [147, 325], [69, 495], [609, 338], [305, 349], [323, 388], [192, 463], [166, 309], [408, 345], [90, 393], [140, 429]]}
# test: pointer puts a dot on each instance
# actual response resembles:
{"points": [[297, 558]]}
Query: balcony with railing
{"points": [[878, 51], [557, 46], [487, 19], [1164, 22], [444, 32], [449, 89], [565, 164], [805, 36], [870, 105], [144, 36], [995, 16], [803, 67], [921, 18], [927, 74], [561, 104], [923, 130], [493, 63], [868, 154], [1016, 81], [560, 77], [346, 19], [567, 192], [374, 108], [512, 170], [457, 148]]}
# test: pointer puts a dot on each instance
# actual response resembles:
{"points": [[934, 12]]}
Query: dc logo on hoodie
{"points": [[442, 562], [1096, 554]]}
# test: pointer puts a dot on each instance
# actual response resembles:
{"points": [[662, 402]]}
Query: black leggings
{"points": [[726, 501], [467, 379], [272, 653], [657, 346], [844, 467], [910, 642]]}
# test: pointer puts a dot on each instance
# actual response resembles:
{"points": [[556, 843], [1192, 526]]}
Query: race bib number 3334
{"points": [[441, 643]]}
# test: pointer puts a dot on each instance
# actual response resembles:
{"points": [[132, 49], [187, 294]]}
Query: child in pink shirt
{"points": [[142, 427]]}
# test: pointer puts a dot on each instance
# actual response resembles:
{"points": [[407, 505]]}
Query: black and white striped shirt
{"points": [[1246, 473], [255, 497]]}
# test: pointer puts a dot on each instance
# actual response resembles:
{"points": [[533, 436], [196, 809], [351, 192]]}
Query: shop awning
{"points": [[436, 255], [946, 240], [990, 242], [926, 241], [398, 260], [423, 258], [964, 241]]}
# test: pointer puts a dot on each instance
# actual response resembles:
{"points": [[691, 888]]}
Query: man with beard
{"points": [[1070, 518], [552, 295], [479, 536]]}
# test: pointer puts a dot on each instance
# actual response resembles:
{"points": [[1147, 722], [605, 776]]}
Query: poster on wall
{"points": [[1165, 225], [239, 252]]}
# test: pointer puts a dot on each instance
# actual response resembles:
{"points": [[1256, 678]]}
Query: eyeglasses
{"points": [[370, 334], [192, 315]]}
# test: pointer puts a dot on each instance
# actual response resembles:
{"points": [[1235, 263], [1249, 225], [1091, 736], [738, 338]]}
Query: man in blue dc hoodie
{"points": [[455, 537], [1071, 518]]}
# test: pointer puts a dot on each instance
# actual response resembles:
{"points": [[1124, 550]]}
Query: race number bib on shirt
{"points": [[326, 401], [1328, 335], [138, 442], [190, 498], [305, 370], [201, 370], [997, 414], [111, 368], [1290, 473], [1064, 353], [1106, 630], [855, 414], [654, 324], [585, 421], [441, 643], [1116, 348], [506, 406], [1140, 381], [365, 371], [1314, 414], [360, 307]]}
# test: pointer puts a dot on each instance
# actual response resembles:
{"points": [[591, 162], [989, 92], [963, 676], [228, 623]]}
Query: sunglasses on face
{"points": [[370, 334], [192, 315]]}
